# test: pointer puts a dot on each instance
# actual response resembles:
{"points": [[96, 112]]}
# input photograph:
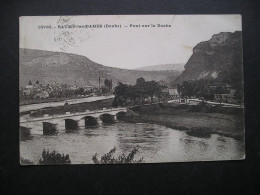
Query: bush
{"points": [[201, 107], [122, 159], [26, 161], [52, 158]]}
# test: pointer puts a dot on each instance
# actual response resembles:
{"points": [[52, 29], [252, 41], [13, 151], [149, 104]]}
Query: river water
{"points": [[156, 143]]}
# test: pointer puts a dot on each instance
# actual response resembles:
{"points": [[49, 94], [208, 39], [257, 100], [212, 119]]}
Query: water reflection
{"points": [[156, 143]]}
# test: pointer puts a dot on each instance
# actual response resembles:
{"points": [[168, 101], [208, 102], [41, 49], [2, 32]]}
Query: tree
{"points": [[141, 88], [239, 96], [121, 93], [99, 83], [122, 159], [152, 88], [133, 93], [219, 92], [111, 85], [140, 81], [187, 89], [107, 83], [179, 88], [79, 91], [37, 82], [159, 93], [104, 89], [179, 91], [52, 158]]}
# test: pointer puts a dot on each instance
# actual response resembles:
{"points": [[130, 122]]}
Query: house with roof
{"points": [[227, 97], [88, 88], [174, 93], [42, 95]]}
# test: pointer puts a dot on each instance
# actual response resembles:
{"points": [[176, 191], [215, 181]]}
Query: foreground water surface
{"points": [[156, 143]]}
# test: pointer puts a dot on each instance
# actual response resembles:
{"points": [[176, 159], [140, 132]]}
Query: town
{"points": [[38, 92]]}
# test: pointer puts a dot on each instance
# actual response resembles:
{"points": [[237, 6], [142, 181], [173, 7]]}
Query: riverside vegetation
{"points": [[121, 159], [49, 158], [55, 158]]}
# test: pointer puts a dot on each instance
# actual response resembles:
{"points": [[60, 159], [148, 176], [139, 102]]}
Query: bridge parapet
{"points": [[78, 115]]}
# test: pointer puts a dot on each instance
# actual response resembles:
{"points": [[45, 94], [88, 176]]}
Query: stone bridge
{"points": [[73, 120]]}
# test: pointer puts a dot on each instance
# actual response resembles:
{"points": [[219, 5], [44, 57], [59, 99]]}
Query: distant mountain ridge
{"points": [[220, 58], [163, 67], [49, 67]]}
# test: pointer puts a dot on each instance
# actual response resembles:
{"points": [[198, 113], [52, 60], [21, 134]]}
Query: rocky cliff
{"points": [[220, 58]]}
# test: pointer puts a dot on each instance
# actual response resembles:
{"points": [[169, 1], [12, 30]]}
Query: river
{"points": [[156, 143]]}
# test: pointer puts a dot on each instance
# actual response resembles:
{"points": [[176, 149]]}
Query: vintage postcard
{"points": [[130, 89]]}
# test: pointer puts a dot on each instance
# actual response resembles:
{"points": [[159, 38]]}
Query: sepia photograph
{"points": [[122, 89]]}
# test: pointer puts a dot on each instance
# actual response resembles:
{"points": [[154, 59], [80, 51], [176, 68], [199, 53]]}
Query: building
{"points": [[26, 92], [42, 95], [29, 87], [221, 86], [174, 93], [73, 87], [226, 97], [88, 89]]}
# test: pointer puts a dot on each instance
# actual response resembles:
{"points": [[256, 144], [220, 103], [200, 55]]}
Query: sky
{"points": [[127, 47]]}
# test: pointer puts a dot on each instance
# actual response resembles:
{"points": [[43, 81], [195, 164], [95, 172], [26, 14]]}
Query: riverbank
{"points": [[40, 101], [72, 108], [201, 120], [35, 107], [57, 99], [191, 118]]}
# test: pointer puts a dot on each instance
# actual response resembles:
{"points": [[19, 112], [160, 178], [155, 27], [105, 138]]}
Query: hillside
{"points": [[220, 59], [48, 67], [163, 67]]}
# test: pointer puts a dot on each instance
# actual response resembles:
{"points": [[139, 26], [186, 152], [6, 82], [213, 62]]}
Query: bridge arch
{"points": [[25, 133], [71, 124], [90, 121], [49, 128], [107, 118], [121, 115]]}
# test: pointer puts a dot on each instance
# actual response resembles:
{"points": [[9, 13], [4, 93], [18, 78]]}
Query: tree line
{"points": [[141, 90], [206, 88]]}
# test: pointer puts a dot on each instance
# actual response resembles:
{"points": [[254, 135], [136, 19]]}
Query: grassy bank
{"points": [[193, 119], [39, 101], [73, 108], [55, 99]]}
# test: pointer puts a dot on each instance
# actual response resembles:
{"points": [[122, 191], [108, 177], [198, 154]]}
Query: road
{"points": [[209, 102], [30, 107]]}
